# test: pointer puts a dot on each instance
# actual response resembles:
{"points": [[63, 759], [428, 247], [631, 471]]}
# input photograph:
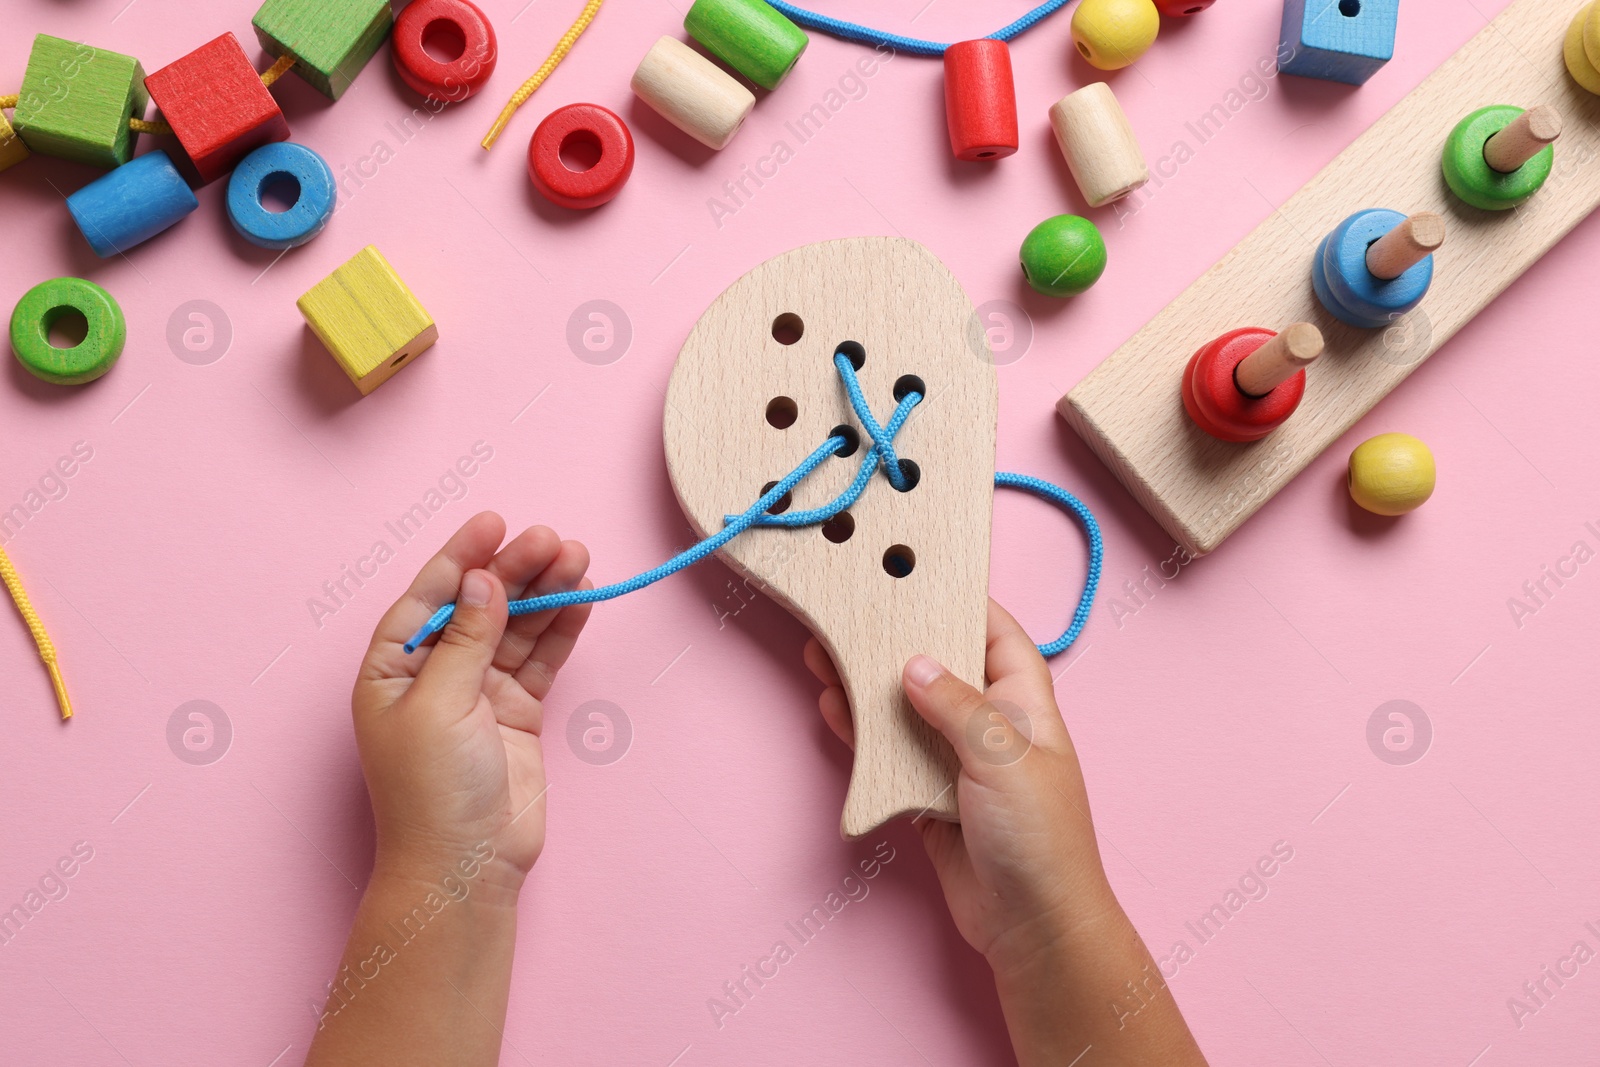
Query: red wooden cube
{"points": [[216, 105]]}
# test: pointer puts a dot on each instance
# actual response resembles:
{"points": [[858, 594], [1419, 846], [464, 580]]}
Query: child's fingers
{"points": [[835, 708], [551, 649], [471, 546], [981, 732], [453, 675], [523, 558], [820, 663], [1011, 652], [563, 572]]}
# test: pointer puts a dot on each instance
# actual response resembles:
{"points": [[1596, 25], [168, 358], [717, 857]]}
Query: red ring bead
{"points": [[1180, 8], [458, 78], [980, 100], [604, 131], [1223, 410]]}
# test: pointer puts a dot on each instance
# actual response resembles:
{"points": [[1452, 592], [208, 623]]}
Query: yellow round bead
{"points": [[1575, 52], [1391, 474], [1113, 33]]}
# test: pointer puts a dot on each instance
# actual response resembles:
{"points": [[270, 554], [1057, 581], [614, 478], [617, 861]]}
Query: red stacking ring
{"points": [[586, 127], [1223, 410], [458, 78]]}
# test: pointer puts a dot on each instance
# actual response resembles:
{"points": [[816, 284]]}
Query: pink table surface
{"points": [[1228, 713]]}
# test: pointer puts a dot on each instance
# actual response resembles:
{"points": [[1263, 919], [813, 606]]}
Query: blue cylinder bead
{"points": [[131, 203], [281, 162], [1350, 291]]}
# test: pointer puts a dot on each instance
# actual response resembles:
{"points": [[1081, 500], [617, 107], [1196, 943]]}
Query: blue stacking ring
{"points": [[131, 203], [280, 229], [1350, 291]]}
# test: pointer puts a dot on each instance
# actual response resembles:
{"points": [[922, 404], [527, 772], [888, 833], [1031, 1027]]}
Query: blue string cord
{"points": [[851, 31], [881, 456]]}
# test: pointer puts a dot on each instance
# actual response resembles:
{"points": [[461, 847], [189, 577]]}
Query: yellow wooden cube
{"points": [[12, 150], [368, 319]]}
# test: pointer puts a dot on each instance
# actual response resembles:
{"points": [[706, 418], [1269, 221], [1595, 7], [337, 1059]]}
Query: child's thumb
{"points": [[467, 644], [983, 734]]}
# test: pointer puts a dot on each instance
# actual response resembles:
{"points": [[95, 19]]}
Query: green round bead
{"points": [[1472, 179], [42, 306], [751, 36], [1063, 256]]}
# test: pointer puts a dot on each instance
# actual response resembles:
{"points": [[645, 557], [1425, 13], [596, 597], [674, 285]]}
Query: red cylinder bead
{"points": [[1180, 8], [980, 101], [1217, 404], [589, 130], [450, 80]]}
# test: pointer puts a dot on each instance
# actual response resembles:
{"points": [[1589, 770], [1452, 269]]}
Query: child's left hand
{"points": [[449, 736]]}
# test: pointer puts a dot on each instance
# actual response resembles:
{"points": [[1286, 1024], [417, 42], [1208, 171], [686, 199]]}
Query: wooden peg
{"points": [[1404, 246], [1523, 138], [1279, 359]]}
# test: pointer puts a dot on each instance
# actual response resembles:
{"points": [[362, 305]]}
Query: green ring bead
{"points": [[1063, 255], [1472, 179], [751, 36], [41, 307]]}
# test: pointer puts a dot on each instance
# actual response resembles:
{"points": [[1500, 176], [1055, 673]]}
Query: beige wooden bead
{"points": [[1098, 143], [692, 93]]}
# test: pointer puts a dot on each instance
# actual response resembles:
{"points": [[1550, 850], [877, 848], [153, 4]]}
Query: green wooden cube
{"points": [[331, 40], [76, 101]]}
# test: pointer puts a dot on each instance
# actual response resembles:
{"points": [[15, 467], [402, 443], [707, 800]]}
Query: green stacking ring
{"points": [[42, 306], [1472, 179]]}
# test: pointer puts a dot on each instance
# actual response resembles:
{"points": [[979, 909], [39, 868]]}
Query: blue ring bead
{"points": [[1350, 291], [131, 203], [280, 229]]}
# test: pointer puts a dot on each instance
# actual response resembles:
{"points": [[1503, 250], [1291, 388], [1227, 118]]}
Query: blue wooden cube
{"points": [[1337, 40]]}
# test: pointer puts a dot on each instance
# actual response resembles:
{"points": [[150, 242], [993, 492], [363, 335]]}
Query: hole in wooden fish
{"points": [[855, 352], [781, 412], [913, 475], [909, 383], [787, 328], [839, 528], [781, 504], [852, 439], [899, 561]]}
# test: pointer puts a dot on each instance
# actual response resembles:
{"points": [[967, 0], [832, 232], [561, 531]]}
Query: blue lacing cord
{"points": [[1091, 581], [851, 31], [880, 456]]}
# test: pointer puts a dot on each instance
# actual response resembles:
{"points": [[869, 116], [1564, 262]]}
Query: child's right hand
{"points": [[1021, 872], [1022, 867]]}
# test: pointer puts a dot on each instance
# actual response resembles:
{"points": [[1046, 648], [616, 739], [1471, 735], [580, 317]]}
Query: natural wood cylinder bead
{"points": [[1404, 246], [1279, 359], [692, 93], [1098, 143], [980, 100], [1522, 138]]}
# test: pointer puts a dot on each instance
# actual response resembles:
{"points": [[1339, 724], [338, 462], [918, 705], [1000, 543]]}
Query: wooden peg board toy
{"points": [[755, 390], [1129, 408]]}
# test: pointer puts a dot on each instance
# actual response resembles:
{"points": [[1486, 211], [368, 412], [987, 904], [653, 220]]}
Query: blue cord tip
{"points": [[436, 622]]}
